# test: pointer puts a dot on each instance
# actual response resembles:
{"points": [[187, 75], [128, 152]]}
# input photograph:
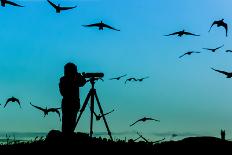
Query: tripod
{"points": [[92, 93]]}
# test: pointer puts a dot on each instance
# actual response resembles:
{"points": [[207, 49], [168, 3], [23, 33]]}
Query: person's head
{"points": [[70, 69]]}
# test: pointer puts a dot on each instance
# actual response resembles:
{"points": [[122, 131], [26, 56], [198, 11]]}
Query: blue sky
{"points": [[186, 95]]}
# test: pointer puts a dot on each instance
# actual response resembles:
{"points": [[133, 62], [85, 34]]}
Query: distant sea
{"points": [[20, 136]]}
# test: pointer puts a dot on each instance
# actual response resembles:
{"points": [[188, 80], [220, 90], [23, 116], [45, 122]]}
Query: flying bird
{"points": [[141, 136], [47, 110], [118, 78], [174, 135], [141, 79], [60, 8], [130, 79], [188, 53], [100, 26], [220, 23], [213, 49], [4, 2], [228, 74], [99, 116], [144, 119], [181, 33], [12, 99], [228, 50]]}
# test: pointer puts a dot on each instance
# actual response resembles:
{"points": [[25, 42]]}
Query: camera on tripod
{"points": [[93, 75]]}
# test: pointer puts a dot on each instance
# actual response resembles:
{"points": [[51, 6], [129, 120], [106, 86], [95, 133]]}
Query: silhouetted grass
{"points": [[55, 142]]}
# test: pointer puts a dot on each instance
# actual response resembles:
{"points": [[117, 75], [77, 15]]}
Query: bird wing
{"points": [[135, 122], [215, 22], [196, 52], [14, 4], [219, 47], [17, 100], [134, 79], [118, 77], [56, 110], [52, 4], [93, 112], [210, 49], [92, 25], [108, 112], [228, 50], [175, 33], [182, 55], [105, 25], [112, 78], [188, 33], [143, 137], [226, 27], [145, 77], [154, 119], [126, 81], [8, 100], [223, 72], [123, 75], [67, 8], [42, 109]]}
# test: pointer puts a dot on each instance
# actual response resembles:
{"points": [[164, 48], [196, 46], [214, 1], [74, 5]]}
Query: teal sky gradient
{"points": [[185, 94]]}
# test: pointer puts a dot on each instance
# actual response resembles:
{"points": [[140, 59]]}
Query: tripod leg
{"points": [[101, 111], [91, 114], [83, 107]]}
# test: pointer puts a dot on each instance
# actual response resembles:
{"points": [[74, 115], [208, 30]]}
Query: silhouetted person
{"points": [[118, 78], [188, 53], [213, 49], [4, 2], [220, 23], [47, 110], [223, 134], [12, 99], [59, 8], [228, 74], [101, 26], [181, 33], [144, 119], [69, 89]]}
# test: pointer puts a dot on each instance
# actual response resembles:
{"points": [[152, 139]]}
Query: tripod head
{"points": [[92, 77]]}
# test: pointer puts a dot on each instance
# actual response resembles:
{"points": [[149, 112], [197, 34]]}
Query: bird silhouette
{"points": [[4, 2], [144, 119], [188, 53], [228, 74], [101, 26], [59, 8], [141, 136], [99, 116], [130, 79], [181, 33], [12, 99], [141, 79], [228, 50], [47, 110], [118, 78], [220, 23], [174, 135], [213, 49], [147, 141]]}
